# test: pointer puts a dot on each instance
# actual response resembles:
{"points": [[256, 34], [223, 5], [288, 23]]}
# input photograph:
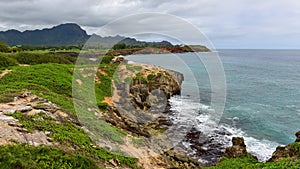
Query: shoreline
{"points": [[162, 50], [197, 133]]}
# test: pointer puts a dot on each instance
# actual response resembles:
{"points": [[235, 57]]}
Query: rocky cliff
{"points": [[139, 106], [140, 99]]}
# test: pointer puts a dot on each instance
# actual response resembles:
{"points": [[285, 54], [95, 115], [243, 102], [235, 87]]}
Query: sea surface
{"points": [[263, 94]]}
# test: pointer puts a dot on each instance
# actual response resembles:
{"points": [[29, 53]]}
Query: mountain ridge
{"points": [[67, 34]]}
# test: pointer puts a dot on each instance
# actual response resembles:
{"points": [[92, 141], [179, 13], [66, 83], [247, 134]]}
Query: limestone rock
{"points": [[138, 105], [11, 131]]}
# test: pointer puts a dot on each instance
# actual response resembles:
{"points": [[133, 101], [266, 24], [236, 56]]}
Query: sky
{"points": [[235, 24]]}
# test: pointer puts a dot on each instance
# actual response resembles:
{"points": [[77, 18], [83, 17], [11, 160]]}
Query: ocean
{"points": [[263, 94]]}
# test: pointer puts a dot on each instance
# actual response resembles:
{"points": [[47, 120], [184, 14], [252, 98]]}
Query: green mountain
{"points": [[69, 34], [65, 34]]}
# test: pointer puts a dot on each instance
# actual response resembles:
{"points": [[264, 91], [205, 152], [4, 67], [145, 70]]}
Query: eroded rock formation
{"points": [[141, 94], [238, 148]]}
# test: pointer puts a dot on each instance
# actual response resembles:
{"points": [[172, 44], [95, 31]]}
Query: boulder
{"points": [[297, 136], [238, 149]]}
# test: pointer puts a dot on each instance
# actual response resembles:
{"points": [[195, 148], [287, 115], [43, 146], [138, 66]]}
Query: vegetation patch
{"points": [[6, 61], [251, 163], [41, 157]]}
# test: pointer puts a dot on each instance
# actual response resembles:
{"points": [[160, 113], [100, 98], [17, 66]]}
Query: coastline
{"points": [[162, 50], [195, 134]]}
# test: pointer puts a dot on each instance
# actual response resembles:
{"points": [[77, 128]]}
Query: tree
{"points": [[3, 47], [119, 46]]}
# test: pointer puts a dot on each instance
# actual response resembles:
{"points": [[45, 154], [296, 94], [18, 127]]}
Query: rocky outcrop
{"points": [[290, 151], [153, 87], [140, 107], [238, 149], [13, 132], [169, 160], [140, 98], [297, 136]]}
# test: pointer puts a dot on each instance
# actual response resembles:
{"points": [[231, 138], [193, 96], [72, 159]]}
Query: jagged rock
{"points": [[170, 159], [238, 141], [140, 103], [297, 136], [289, 151], [238, 148], [47, 133], [25, 94], [24, 109], [8, 111], [114, 162], [7, 118], [118, 60], [22, 130], [15, 124], [49, 139], [26, 103]]}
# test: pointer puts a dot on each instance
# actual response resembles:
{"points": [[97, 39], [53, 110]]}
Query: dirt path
{"points": [[4, 72]]}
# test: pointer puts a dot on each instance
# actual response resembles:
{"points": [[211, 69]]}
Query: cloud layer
{"points": [[228, 24]]}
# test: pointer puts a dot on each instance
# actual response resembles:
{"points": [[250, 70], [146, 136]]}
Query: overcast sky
{"points": [[227, 23]]}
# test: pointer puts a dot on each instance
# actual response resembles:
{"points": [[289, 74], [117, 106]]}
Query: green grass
{"points": [[133, 68], [50, 81], [251, 163], [42, 157], [296, 146]]}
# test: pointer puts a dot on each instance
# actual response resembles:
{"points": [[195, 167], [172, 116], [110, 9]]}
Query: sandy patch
{"points": [[79, 81], [24, 65], [108, 100], [4, 72]]}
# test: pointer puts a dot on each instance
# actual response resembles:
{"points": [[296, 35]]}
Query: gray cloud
{"points": [[229, 23]]}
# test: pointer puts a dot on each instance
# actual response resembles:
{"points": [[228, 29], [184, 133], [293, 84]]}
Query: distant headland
{"points": [[71, 34]]}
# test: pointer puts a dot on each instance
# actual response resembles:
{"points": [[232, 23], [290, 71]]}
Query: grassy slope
{"points": [[250, 163], [29, 157], [54, 82]]}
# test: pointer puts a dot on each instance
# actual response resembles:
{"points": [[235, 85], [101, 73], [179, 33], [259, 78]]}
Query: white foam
{"points": [[131, 62], [262, 149]]}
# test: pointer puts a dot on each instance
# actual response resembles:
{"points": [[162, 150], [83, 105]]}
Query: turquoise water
{"points": [[263, 91]]}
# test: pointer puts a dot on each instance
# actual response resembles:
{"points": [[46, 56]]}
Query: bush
{"points": [[3, 47], [119, 46], [106, 59], [6, 61], [35, 58]]}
